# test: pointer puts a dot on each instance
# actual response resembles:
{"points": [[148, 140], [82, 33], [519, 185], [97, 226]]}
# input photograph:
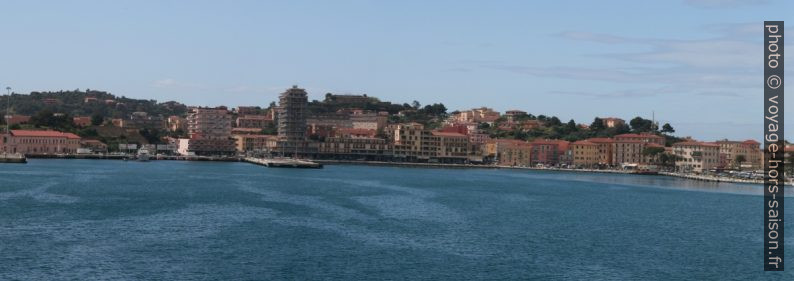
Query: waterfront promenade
{"points": [[271, 162]]}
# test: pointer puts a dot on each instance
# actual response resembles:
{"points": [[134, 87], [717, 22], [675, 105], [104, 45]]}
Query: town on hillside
{"points": [[355, 128]]}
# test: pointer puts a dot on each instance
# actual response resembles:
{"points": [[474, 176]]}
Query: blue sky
{"points": [[696, 63]]}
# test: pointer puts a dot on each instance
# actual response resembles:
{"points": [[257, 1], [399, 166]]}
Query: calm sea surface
{"points": [[164, 220]]}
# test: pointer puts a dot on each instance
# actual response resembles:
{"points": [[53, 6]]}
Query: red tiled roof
{"points": [[511, 141], [629, 141], [44, 134], [696, 143], [637, 136], [448, 134], [601, 140], [584, 142], [553, 142]]}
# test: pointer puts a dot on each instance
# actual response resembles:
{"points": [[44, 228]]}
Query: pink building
{"points": [[550, 152], [40, 142]]}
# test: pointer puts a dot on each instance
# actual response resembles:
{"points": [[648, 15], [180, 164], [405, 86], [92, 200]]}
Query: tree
{"points": [[666, 128], [641, 125], [740, 159], [415, 104], [571, 126], [97, 119], [554, 121], [653, 153], [597, 125], [668, 160]]}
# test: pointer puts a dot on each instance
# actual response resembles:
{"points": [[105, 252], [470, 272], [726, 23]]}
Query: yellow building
{"points": [[514, 153], [255, 143], [585, 154]]}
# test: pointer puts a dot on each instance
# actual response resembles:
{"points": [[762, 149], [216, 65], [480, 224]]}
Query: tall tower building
{"points": [[292, 121]]}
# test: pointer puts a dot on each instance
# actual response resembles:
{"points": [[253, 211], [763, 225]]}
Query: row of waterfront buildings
{"points": [[356, 134]]}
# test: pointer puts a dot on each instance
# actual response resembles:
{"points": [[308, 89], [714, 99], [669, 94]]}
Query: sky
{"points": [[697, 64]]}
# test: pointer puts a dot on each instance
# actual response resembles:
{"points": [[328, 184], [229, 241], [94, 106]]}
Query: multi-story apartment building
{"points": [[644, 138], [413, 143], [628, 148], [253, 121], [628, 152], [507, 152], [453, 147], [39, 142], [292, 122], [605, 150], [585, 154], [255, 142], [408, 142], [695, 156], [749, 151], [210, 132], [355, 148], [550, 152]]}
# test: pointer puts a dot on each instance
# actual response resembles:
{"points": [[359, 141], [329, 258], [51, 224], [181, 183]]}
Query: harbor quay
{"points": [[306, 163]]}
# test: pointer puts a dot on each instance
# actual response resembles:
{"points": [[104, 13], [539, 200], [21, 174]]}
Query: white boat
{"points": [[13, 158], [143, 155]]}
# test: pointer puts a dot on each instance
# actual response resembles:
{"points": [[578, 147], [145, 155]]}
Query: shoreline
{"points": [[402, 164]]}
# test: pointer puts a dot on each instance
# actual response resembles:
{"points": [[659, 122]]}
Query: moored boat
{"points": [[13, 158], [143, 155]]}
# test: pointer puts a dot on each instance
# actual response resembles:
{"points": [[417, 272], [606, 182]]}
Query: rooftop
{"points": [[43, 134]]}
